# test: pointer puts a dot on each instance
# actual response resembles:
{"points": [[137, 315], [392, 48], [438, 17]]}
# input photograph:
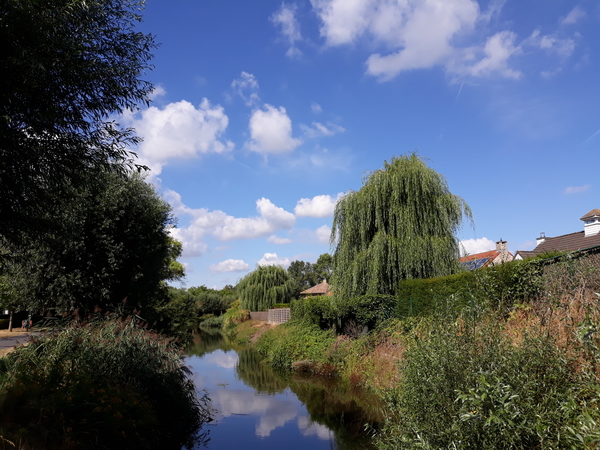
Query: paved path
{"points": [[16, 338]]}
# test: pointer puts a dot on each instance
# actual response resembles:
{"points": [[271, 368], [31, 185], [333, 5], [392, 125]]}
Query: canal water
{"points": [[257, 408]]}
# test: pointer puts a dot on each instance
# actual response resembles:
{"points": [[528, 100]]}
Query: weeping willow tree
{"points": [[262, 288], [400, 225]]}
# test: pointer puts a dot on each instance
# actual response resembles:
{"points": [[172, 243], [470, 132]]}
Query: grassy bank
{"points": [[471, 377]]}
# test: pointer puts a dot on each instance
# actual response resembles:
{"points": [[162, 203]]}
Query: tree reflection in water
{"points": [[336, 410]]}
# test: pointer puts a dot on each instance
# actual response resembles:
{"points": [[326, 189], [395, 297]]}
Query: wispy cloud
{"points": [[584, 142], [577, 189], [285, 18], [574, 16], [246, 86]]}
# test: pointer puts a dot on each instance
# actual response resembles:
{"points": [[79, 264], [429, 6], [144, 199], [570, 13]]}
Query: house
{"points": [[489, 258], [580, 240], [322, 288]]}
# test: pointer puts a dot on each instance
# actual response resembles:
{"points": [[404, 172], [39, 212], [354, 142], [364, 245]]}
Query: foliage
{"points": [[174, 315], [67, 66], [234, 315], [265, 286], [341, 314], [468, 386], [295, 341], [101, 385], [498, 287], [307, 275], [113, 245], [400, 225]]}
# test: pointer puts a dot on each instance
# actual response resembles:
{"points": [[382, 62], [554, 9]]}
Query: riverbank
{"points": [[473, 378]]}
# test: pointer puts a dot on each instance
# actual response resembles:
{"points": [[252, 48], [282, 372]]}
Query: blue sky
{"points": [[266, 112]]}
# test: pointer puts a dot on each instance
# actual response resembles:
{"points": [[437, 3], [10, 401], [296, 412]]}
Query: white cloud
{"points": [[224, 227], [285, 18], [497, 50], [474, 246], [230, 265], [274, 239], [158, 91], [271, 131], [309, 428], [553, 44], [319, 130], [419, 34], [178, 131], [574, 16], [316, 108], [247, 88], [577, 189], [318, 206], [323, 234], [271, 259]]}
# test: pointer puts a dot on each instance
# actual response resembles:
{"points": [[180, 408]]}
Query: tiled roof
{"points": [[526, 254], [568, 242], [320, 289], [592, 213], [491, 254]]}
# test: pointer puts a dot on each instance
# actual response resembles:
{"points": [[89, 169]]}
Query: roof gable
{"points": [[591, 214], [320, 289]]}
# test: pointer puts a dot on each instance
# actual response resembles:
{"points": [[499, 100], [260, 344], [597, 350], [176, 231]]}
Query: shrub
{"points": [[342, 314], [498, 287], [470, 387], [102, 385], [296, 341]]}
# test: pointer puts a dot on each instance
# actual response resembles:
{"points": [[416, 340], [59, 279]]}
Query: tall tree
{"points": [[66, 67], [400, 225], [113, 245], [323, 267], [265, 286]]}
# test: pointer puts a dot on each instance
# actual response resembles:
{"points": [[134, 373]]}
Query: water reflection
{"points": [[258, 408]]}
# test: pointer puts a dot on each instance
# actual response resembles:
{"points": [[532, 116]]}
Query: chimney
{"points": [[591, 223], [501, 246], [541, 239]]}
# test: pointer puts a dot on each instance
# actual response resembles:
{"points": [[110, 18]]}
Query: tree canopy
{"points": [[66, 66], [400, 225], [306, 275], [113, 244], [265, 286]]}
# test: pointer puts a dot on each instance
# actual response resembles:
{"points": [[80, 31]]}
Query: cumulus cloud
{"points": [[271, 259], [271, 131], [473, 246], [224, 227], [318, 206], [230, 265], [323, 233], [577, 189], [246, 86], [574, 16], [317, 129], [178, 131], [419, 34], [285, 19], [274, 239]]}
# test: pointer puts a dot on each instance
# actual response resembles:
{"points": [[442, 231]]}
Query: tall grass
{"points": [[102, 385], [477, 380]]}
